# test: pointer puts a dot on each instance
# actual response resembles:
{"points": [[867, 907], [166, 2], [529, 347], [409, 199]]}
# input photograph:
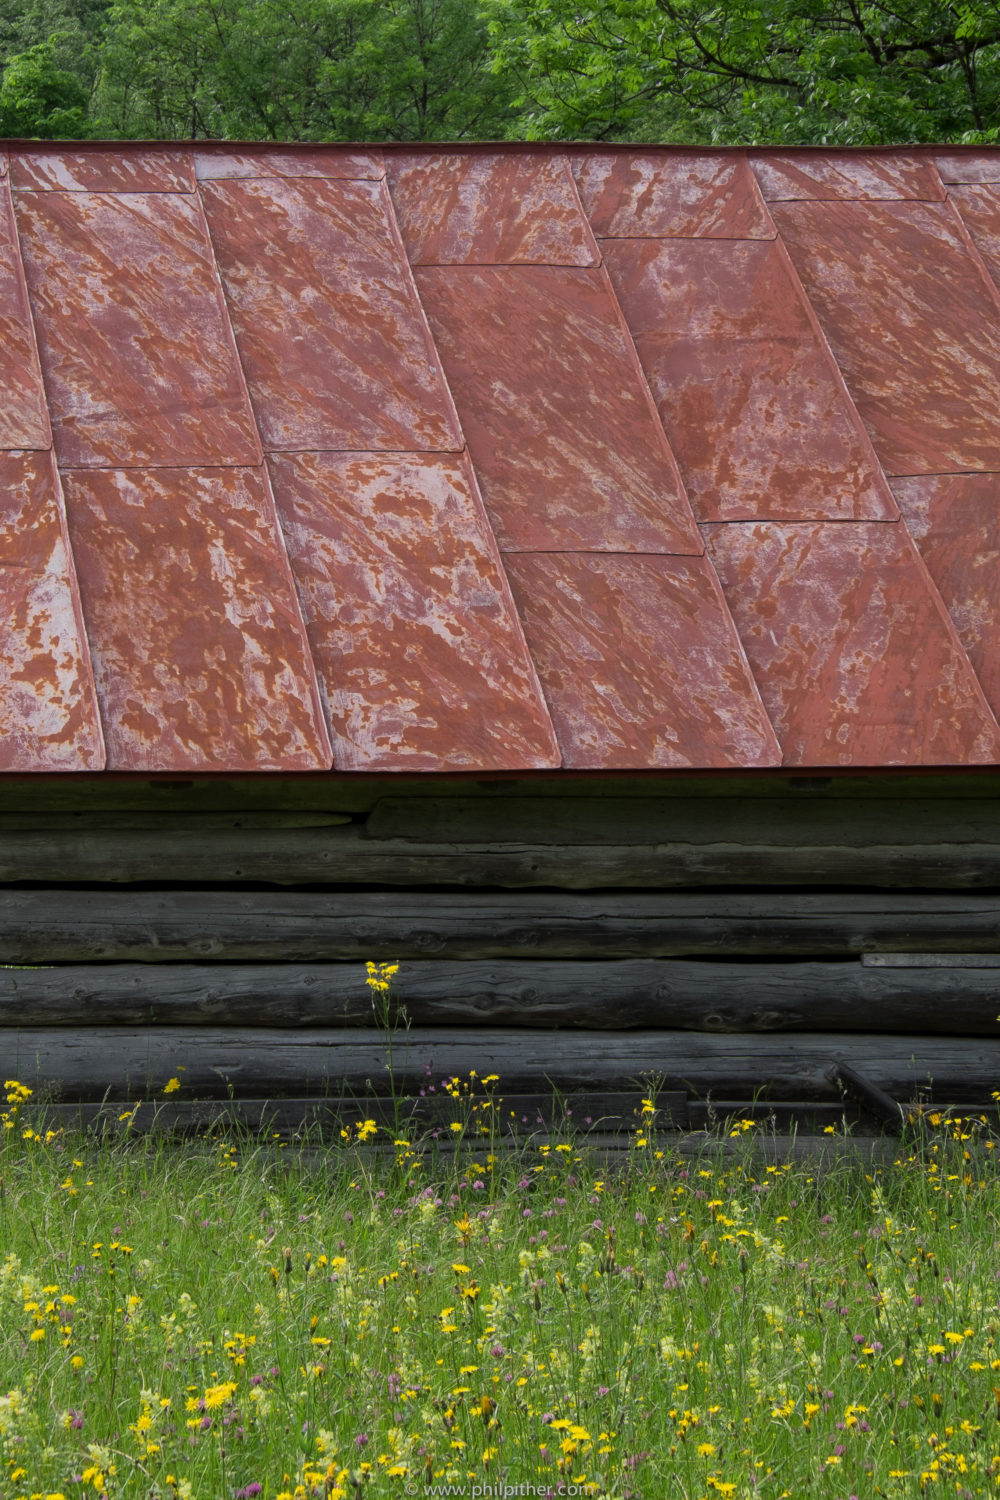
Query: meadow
{"points": [[226, 1317]]}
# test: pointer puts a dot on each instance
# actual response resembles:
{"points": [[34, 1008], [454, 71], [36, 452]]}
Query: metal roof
{"points": [[498, 458]]}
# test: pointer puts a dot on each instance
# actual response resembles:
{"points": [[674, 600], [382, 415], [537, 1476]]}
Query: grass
{"points": [[223, 1318]]}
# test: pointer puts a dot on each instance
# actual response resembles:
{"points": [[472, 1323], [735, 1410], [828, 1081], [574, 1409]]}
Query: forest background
{"points": [[804, 71]]}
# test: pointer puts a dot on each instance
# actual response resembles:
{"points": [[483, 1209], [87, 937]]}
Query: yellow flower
{"points": [[218, 1395], [172, 1086]]}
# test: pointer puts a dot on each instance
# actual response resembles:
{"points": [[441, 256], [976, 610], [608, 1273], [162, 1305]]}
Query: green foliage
{"points": [[806, 71], [38, 98]]}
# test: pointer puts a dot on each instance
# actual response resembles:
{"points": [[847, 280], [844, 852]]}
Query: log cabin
{"points": [[570, 573]]}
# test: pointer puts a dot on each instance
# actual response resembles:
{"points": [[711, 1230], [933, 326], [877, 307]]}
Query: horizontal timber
{"points": [[73, 1063], [346, 856], [603, 996], [66, 926]]}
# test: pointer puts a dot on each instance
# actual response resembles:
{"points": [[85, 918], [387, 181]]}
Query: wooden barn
{"points": [[569, 573]]}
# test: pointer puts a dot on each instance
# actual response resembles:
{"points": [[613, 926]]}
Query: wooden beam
{"points": [[345, 856], [65, 926], [71, 1063], [628, 995]]}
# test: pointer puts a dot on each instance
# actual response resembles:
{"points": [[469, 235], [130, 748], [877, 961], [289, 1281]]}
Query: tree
{"points": [[825, 71], [40, 99], [301, 70]]}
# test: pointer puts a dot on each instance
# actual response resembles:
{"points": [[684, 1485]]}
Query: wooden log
{"points": [[91, 1063], [345, 856], [931, 960], [629, 995], [64, 926], [859, 1086]]}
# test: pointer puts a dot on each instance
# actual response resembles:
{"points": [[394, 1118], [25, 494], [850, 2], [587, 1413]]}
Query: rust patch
{"points": [[333, 340], [287, 161], [48, 709], [969, 166], [417, 644], [856, 660], [666, 194], [639, 662], [559, 423], [72, 169], [24, 421], [749, 397], [135, 344], [846, 174], [469, 208], [199, 648]]}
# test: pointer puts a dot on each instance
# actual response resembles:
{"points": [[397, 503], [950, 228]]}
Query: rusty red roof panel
{"points": [[857, 661], [488, 465], [750, 398], [914, 323], [955, 521], [24, 418], [419, 652], [639, 662], [86, 170], [657, 194], [199, 648], [136, 347], [469, 208], [558, 418], [846, 174], [271, 161], [335, 345], [48, 710]]}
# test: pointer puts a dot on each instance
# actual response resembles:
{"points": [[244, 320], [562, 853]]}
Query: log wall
{"points": [[728, 937]]}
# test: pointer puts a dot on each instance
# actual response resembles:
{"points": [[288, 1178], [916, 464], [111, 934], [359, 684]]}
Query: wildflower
{"points": [[172, 1086], [218, 1395]]}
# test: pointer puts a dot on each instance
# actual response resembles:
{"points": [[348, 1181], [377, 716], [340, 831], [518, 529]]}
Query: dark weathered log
{"points": [[344, 855], [931, 960], [779, 821], [60, 926], [90, 1063], [632, 994]]}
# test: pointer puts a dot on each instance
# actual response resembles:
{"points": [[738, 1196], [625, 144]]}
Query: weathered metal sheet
{"points": [[955, 521], [418, 648], [855, 657], [472, 208], [335, 345], [199, 648], [48, 710], [651, 194], [135, 343], [271, 161], [560, 425], [913, 322], [24, 420], [847, 174], [981, 165], [639, 661], [750, 398], [83, 169], [979, 207]]}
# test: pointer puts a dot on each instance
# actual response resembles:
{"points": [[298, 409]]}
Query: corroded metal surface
{"points": [[488, 464], [913, 323], [955, 521], [749, 396], [655, 193], [417, 645], [467, 208], [555, 410], [24, 420], [857, 662], [199, 648], [136, 348], [48, 711], [335, 346], [846, 174], [639, 661]]}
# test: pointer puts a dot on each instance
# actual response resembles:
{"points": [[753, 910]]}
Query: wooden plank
{"points": [[64, 926], [931, 960], [628, 995], [786, 821], [357, 792], [116, 821], [92, 1063], [343, 855]]}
